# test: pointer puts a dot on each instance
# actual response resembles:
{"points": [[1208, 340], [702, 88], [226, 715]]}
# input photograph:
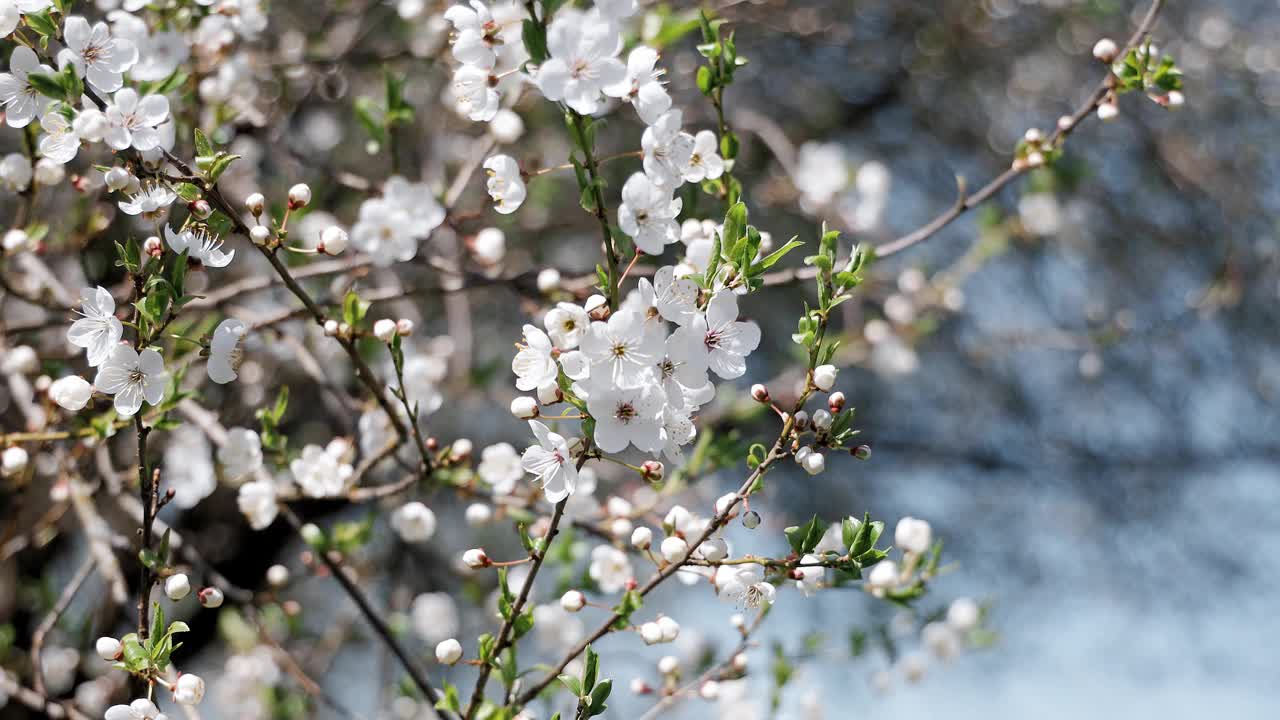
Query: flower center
{"points": [[625, 412], [619, 350], [712, 339]]}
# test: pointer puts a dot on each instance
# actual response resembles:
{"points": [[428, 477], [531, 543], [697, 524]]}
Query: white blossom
{"points": [[414, 522], [642, 86], [21, 101], [132, 377], [501, 467], [321, 472], [610, 568], [505, 184], [552, 462], [97, 56], [566, 323], [257, 502], [224, 350], [71, 393], [97, 331], [240, 454], [716, 339], [583, 61], [201, 245], [648, 214]]}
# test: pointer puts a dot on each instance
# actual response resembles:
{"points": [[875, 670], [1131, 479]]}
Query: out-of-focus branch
{"points": [[64, 601]]}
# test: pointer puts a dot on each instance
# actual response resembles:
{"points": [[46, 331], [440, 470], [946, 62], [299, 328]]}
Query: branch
{"points": [[37, 638]]}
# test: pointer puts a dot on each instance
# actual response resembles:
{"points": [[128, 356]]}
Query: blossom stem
{"points": [[593, 176]]}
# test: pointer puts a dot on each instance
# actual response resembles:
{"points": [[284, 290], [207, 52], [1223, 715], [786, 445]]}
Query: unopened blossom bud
{"points": [[760, 393], [255, 204], [299, 196], [384, 329], [548, 280], [621, 527], [13, 461], [333, 240], [177, 586], [478, 514], [709, 690], [739, 662], [312, 535], [724, 502], [651, 470], [670, 628], [42, 383], [211, 597], [822, 419], [200, 208], [153, 247], [651, 633], [751, 520], [597, 307], [71, 393], [506, 126], [1108, 111], [674, 548], [802, 453], [714, 549], [824, 377], [963, 614], [641, 538], [489, 246], [815, 463], [1035, 159], [1105, 50], [260, 234], [801, 420], [16, 240], [461, 449], [449, 652], [913, 535], [189, 690], [108, 648], [475, 558], [573, 601], [738, 620], [835, 402], [277, 576], [550, 393], [669, 665], [862, 452], [884, 575], [640, 687], [1175, 100], [404, 327], [117, 178], [1065, 122], [1032, 135], [330, 327], [524, 407]]}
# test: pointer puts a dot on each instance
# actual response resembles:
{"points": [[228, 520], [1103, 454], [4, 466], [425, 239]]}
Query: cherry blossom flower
{"points": [[71, 393], [60, 143], [623, 349], [476, 34], [501, 467], [717, 339], [15, 172], [257, 502], [11, 12], [132, 122], [610, 568], [552, 462], [669, 297], [201, 246], [21, 101], [533, 365], [642, 85], [505, 184], [132, 377], [189, 689], [224, 350], [648, 214], [150, 201], [414, 522], [98, 330], [140, 709], [627, 416], [321, 472], [97, 56], [434, 616], [582, 63], [241, 454], [382, 231], [476, 97], [811, 575], [566, 323], [744, 585], [667, 149], [704, 161]]}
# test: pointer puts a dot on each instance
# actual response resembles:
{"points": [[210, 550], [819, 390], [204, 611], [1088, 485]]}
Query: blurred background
{"points": [[1076, 384]]}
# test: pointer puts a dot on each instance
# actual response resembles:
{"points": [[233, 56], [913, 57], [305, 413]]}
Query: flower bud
{"points": [[200, 208], [489, 246], [822, 419], [1108, 111], [835, 402], [277, 576], [333, 240], [669, 665], [506, 126], [884, 575], [824, 377], [739, 662], [189, 690], [255, 203], [651, 633], [475, 558], [478, 514], [801, 420], [16, 240], [384, 329], [669, 627], [1105, 50], [674, 548], [620, 527], [709, 690], [801, 454], [1033, 136], [449, 652], [862, 452], [815, 463], [330, 327], [312, 535], [153, 247], [299, 196], [913, 535], [461, 449], [738, 620], [760, 393], [404, 327], [751, 520], [548, 280], [573, 601], [1175, 100], [108, 648], [1065, 122], [963, 614], [211, 597], [651, 470], [524, 407], [550, 393], [641, 538], [714, 549], [71, 393], [117, 178], [597, 307], [13, 461], [260, 234], [177, 586]]}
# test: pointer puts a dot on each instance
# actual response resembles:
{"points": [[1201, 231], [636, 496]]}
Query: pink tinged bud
{"points": [[260, 234], [333, 240], [524, 407], [640, 687], [824, 377], [573, 601], [1105, 50], [153, 247], [651, 470], [760, 393], [211, 597], [835, 402], [255, 204], [200, 208], [299, 196], [476, 558], [641, 538]]}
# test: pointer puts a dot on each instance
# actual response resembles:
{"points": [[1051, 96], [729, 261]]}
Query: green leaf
{"points": [[203, 146], [591, 670], [47, 84], [573, 683], [705, 80], [43, 23], [772, 258], [220, 163], [157, 623], [367, 114], [804, 538], [598, 697], [535, 40]]}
